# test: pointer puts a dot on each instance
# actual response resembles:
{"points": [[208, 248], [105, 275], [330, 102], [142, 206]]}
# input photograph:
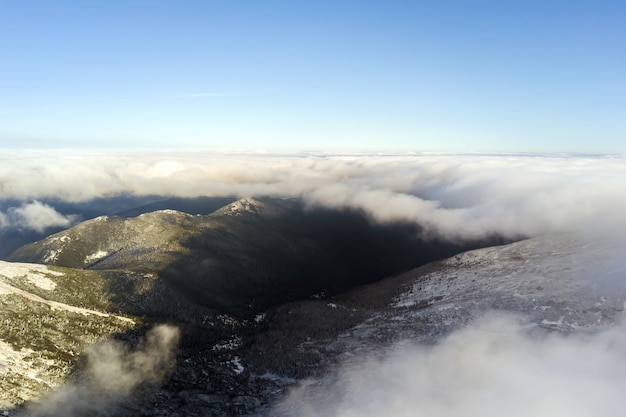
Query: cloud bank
{"points": [[111, 374], [35, 216], [453, 196], [492, 367]]}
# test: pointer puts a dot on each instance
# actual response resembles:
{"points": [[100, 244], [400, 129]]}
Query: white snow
{"points": [[34, 274], [528, 275], [52, 256], [13, 361], [244, 205], [95, 256], [237, 365], [229, 320], [229, 344]]}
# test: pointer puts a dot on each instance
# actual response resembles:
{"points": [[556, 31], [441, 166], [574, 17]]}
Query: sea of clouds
{"points": [[449, 195]]}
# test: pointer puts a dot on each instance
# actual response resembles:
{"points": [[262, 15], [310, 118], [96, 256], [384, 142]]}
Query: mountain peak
{"points": [[244, 205]]}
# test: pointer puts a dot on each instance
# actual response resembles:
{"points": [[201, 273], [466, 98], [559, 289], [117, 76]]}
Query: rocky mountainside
{"points": [[212, 275], [245, 256], [555, 283], [123, 205], [49, 316], [267, 294]]}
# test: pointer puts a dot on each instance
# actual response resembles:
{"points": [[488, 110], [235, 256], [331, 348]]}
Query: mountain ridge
{"points": [[251, 252], [232, 281]]}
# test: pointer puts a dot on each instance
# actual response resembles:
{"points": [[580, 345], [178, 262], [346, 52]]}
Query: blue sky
{"points": [[330, 75]]}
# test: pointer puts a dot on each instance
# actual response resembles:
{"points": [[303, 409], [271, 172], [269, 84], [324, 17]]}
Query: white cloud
{"points": [[492, 367], [4, 221], [34, 216], [111, 373], [457, 196]]}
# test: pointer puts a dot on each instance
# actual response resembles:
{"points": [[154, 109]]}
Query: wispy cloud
{"points": [[493, 367], [112, 372], [34, 216]]}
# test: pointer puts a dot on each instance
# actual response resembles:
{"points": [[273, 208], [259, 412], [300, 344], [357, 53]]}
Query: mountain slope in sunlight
{"points": [[49, 316]]}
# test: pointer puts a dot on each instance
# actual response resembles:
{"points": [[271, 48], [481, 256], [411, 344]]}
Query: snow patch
{"points": [[64, 239], [13, 361], [237, 365], [228, 320], [52, 256], [95, 256], [245, 205], [34, 274], [230, 344]]}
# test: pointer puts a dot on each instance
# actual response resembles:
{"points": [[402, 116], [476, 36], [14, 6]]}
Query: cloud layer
{"points": [[492, 367], [455, 196]]}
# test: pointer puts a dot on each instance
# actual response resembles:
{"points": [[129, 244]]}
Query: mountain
{"points": [[16, 235], [211, 275], [560, 283], [49, 316], [247, 255], [269, 293]]}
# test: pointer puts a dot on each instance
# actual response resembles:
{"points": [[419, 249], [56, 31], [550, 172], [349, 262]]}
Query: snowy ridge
{"points": [[244, 205], [562, 283]]}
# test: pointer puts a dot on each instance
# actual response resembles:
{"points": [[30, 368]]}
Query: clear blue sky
{"points": [[420, 75]]}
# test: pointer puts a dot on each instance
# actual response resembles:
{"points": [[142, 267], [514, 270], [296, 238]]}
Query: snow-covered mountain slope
{"points": [[539, 322], [559, 282], [562, 283], [48, 317]]}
